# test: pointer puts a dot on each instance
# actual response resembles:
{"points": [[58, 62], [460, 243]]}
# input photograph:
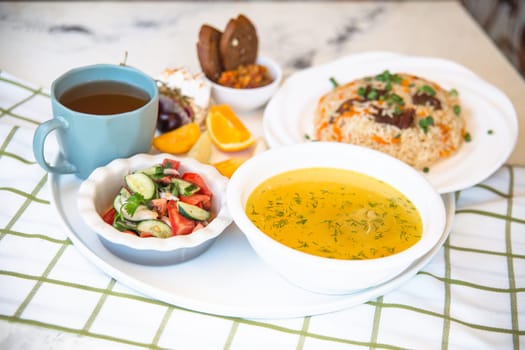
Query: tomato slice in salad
{"points": [[160, 205], [145, 235], [109, 216], [200, 200], [179, 224], [199, 181], [171, 163]]}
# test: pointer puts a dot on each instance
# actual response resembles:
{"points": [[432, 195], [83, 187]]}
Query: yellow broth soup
{"points": [[335, 213]]}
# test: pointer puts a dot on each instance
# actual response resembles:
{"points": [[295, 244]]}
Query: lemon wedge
{"points": [[202, 149]]}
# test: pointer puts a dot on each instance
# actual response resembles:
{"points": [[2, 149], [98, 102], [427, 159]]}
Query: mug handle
{"points": [[63, 166]]}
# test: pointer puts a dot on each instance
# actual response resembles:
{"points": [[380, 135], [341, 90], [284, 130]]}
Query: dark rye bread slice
{"points": [[239, 43], [208, 52]]}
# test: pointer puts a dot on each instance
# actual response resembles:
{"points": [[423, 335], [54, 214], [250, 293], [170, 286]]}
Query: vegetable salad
{"points": [[161, 201]]}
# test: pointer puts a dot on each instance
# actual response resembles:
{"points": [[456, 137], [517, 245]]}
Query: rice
{"points": [[405, 116]]}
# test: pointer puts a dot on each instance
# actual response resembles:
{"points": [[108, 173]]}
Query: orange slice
{"points": [[226, 130], [227, 167], [179, 140]]}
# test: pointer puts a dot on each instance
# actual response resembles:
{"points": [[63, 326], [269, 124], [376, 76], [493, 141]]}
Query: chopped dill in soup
{"points": [[335, 213]]}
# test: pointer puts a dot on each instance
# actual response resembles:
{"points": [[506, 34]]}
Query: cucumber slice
{"points": [[120, 199], [124, 193], [123, 225], [193, 212], [154, 171], [117, 202], [141, 183], [186, 188], [156, 227], [142, 213]]}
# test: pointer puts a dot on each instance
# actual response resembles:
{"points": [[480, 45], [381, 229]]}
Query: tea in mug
{"points": [[104, 97]]}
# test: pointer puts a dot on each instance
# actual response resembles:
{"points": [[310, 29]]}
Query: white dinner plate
{"points": [[229, 279], [490, 116]]}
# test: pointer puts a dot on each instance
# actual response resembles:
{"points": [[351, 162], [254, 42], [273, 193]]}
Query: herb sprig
{"points": [[334, 82], [133, 202]]}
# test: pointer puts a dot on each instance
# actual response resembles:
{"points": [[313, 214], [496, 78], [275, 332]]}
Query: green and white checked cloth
{"points": [[470, 296]]}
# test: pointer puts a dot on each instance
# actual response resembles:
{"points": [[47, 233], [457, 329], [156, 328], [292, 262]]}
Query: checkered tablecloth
{"points": [[470, 296]]}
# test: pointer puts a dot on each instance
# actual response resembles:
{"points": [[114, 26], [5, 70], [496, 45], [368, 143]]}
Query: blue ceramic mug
{"points": [[88, 141]]}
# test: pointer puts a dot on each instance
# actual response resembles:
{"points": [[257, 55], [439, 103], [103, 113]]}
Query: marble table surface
{"points": [[40, 40]]}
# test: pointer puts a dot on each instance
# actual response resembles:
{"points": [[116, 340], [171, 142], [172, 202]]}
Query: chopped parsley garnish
{"points": [[453, 92], [173, 189], [394, 98], [457, 109], [307, 137], [426, 169], [424, 123], [426, 89], [158, 171], [334, 82], [301, 221], [372, 95], [387, 77], [361, 91], [490, 131], [397, 110], [467, 137]]}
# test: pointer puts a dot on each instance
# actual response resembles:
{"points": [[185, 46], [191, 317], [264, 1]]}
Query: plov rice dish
{"points": [[406, 116]]}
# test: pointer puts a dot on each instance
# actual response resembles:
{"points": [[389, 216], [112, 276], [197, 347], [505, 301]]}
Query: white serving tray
{"points": [[229, 279]]}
